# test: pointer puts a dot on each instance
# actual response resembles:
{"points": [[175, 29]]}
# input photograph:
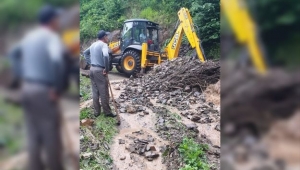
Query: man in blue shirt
{"points": [[39, 59], [98, 57]]}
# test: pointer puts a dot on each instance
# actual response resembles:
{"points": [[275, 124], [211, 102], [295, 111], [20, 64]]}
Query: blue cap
{"points": [[47, 13], [102, 33]]}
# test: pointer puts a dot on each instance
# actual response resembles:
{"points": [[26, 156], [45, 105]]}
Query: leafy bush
{"points": [[193, 155]]}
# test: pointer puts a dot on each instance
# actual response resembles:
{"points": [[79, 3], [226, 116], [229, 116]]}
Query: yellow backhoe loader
{"points": [[138, 48]]}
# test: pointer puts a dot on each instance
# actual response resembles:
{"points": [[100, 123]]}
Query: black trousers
{"points": [[100, 89], [43, 128]]}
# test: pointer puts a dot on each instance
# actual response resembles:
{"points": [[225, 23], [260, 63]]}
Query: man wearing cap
{"points": [[40, 56], [98, 57]]}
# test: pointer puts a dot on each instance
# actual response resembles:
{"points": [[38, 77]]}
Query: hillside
{"points": [[109, 15]]}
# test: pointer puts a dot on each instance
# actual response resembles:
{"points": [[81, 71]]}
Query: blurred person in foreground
{"points": [[98, 57], [40, 57]]}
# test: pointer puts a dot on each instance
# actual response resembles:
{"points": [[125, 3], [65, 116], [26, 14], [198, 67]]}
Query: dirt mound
{"points": [[213, 93], [178, 84], [114, 35], [183, 73], [255, 100]]}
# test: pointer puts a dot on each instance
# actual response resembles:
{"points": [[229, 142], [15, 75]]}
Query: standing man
{"points": [[97, 56], [40, 55]]}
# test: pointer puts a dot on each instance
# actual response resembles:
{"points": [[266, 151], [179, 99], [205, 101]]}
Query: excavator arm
{"points": [[184, 25], [244, 29]]}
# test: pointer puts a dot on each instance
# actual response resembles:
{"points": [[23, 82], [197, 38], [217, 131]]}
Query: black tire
{"points": [[129, 67], [119, 68]]}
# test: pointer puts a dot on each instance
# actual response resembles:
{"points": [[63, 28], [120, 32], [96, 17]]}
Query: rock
{"points": [[151, 154], [150, 159], [205, 111], [122, 157], [195, 118], [150, 139], [139, 91], [106, 146], [130, 109], [191, 126], [143, 141], [145, 112], [211, 104], [218, 128], [162, 148], [142, 150], [161, 120], [94, 146], [164, 101], [131, 148], [140, 109], [184, 114], [87, 122], [117, 87], [121, 100], [142, 114], [87, 155], [187, 89], [121, 141], [123, 110], [152, 148], [148, 148], [196, 94]]}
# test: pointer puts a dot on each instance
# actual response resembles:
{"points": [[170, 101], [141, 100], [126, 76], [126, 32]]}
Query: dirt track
{"points": [[135, 122]]}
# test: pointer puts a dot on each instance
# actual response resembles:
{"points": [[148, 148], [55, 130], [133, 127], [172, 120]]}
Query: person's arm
{"points": [[15, 57], [87, 56], [105, 50], [55, 50]]}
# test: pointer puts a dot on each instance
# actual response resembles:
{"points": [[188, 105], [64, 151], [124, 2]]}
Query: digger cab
{"points": [[138, 47], [138, 31]]}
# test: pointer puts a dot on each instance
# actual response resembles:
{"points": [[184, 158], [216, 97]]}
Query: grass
{"points": [[175, 116], [12, 133], [193, 155], [104, 130], [85, 113], [85, 88], [107, 127], [102, 133]]}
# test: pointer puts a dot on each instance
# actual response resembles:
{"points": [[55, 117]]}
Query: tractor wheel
{"points": [[131, 63], [119, 68]]}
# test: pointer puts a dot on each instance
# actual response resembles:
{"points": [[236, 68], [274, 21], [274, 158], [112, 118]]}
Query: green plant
{"points": [[84, 113], [106, 126], [193, 155]]}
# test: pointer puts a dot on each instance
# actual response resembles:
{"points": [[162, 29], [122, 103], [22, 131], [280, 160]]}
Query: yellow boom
{"points": [[185, 25], [244, 30]]}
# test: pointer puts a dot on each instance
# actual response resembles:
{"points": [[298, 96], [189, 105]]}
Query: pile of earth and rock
{"points": [[253, 106], [171, 85], [179, 84]]}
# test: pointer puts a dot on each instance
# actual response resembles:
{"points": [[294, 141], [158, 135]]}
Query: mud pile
{"points": [[182, 73], [260, 111], [257, 100], [179, 84]]}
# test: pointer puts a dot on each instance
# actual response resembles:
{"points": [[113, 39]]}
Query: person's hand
{"points": [[53, 95], [104, 72]]}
